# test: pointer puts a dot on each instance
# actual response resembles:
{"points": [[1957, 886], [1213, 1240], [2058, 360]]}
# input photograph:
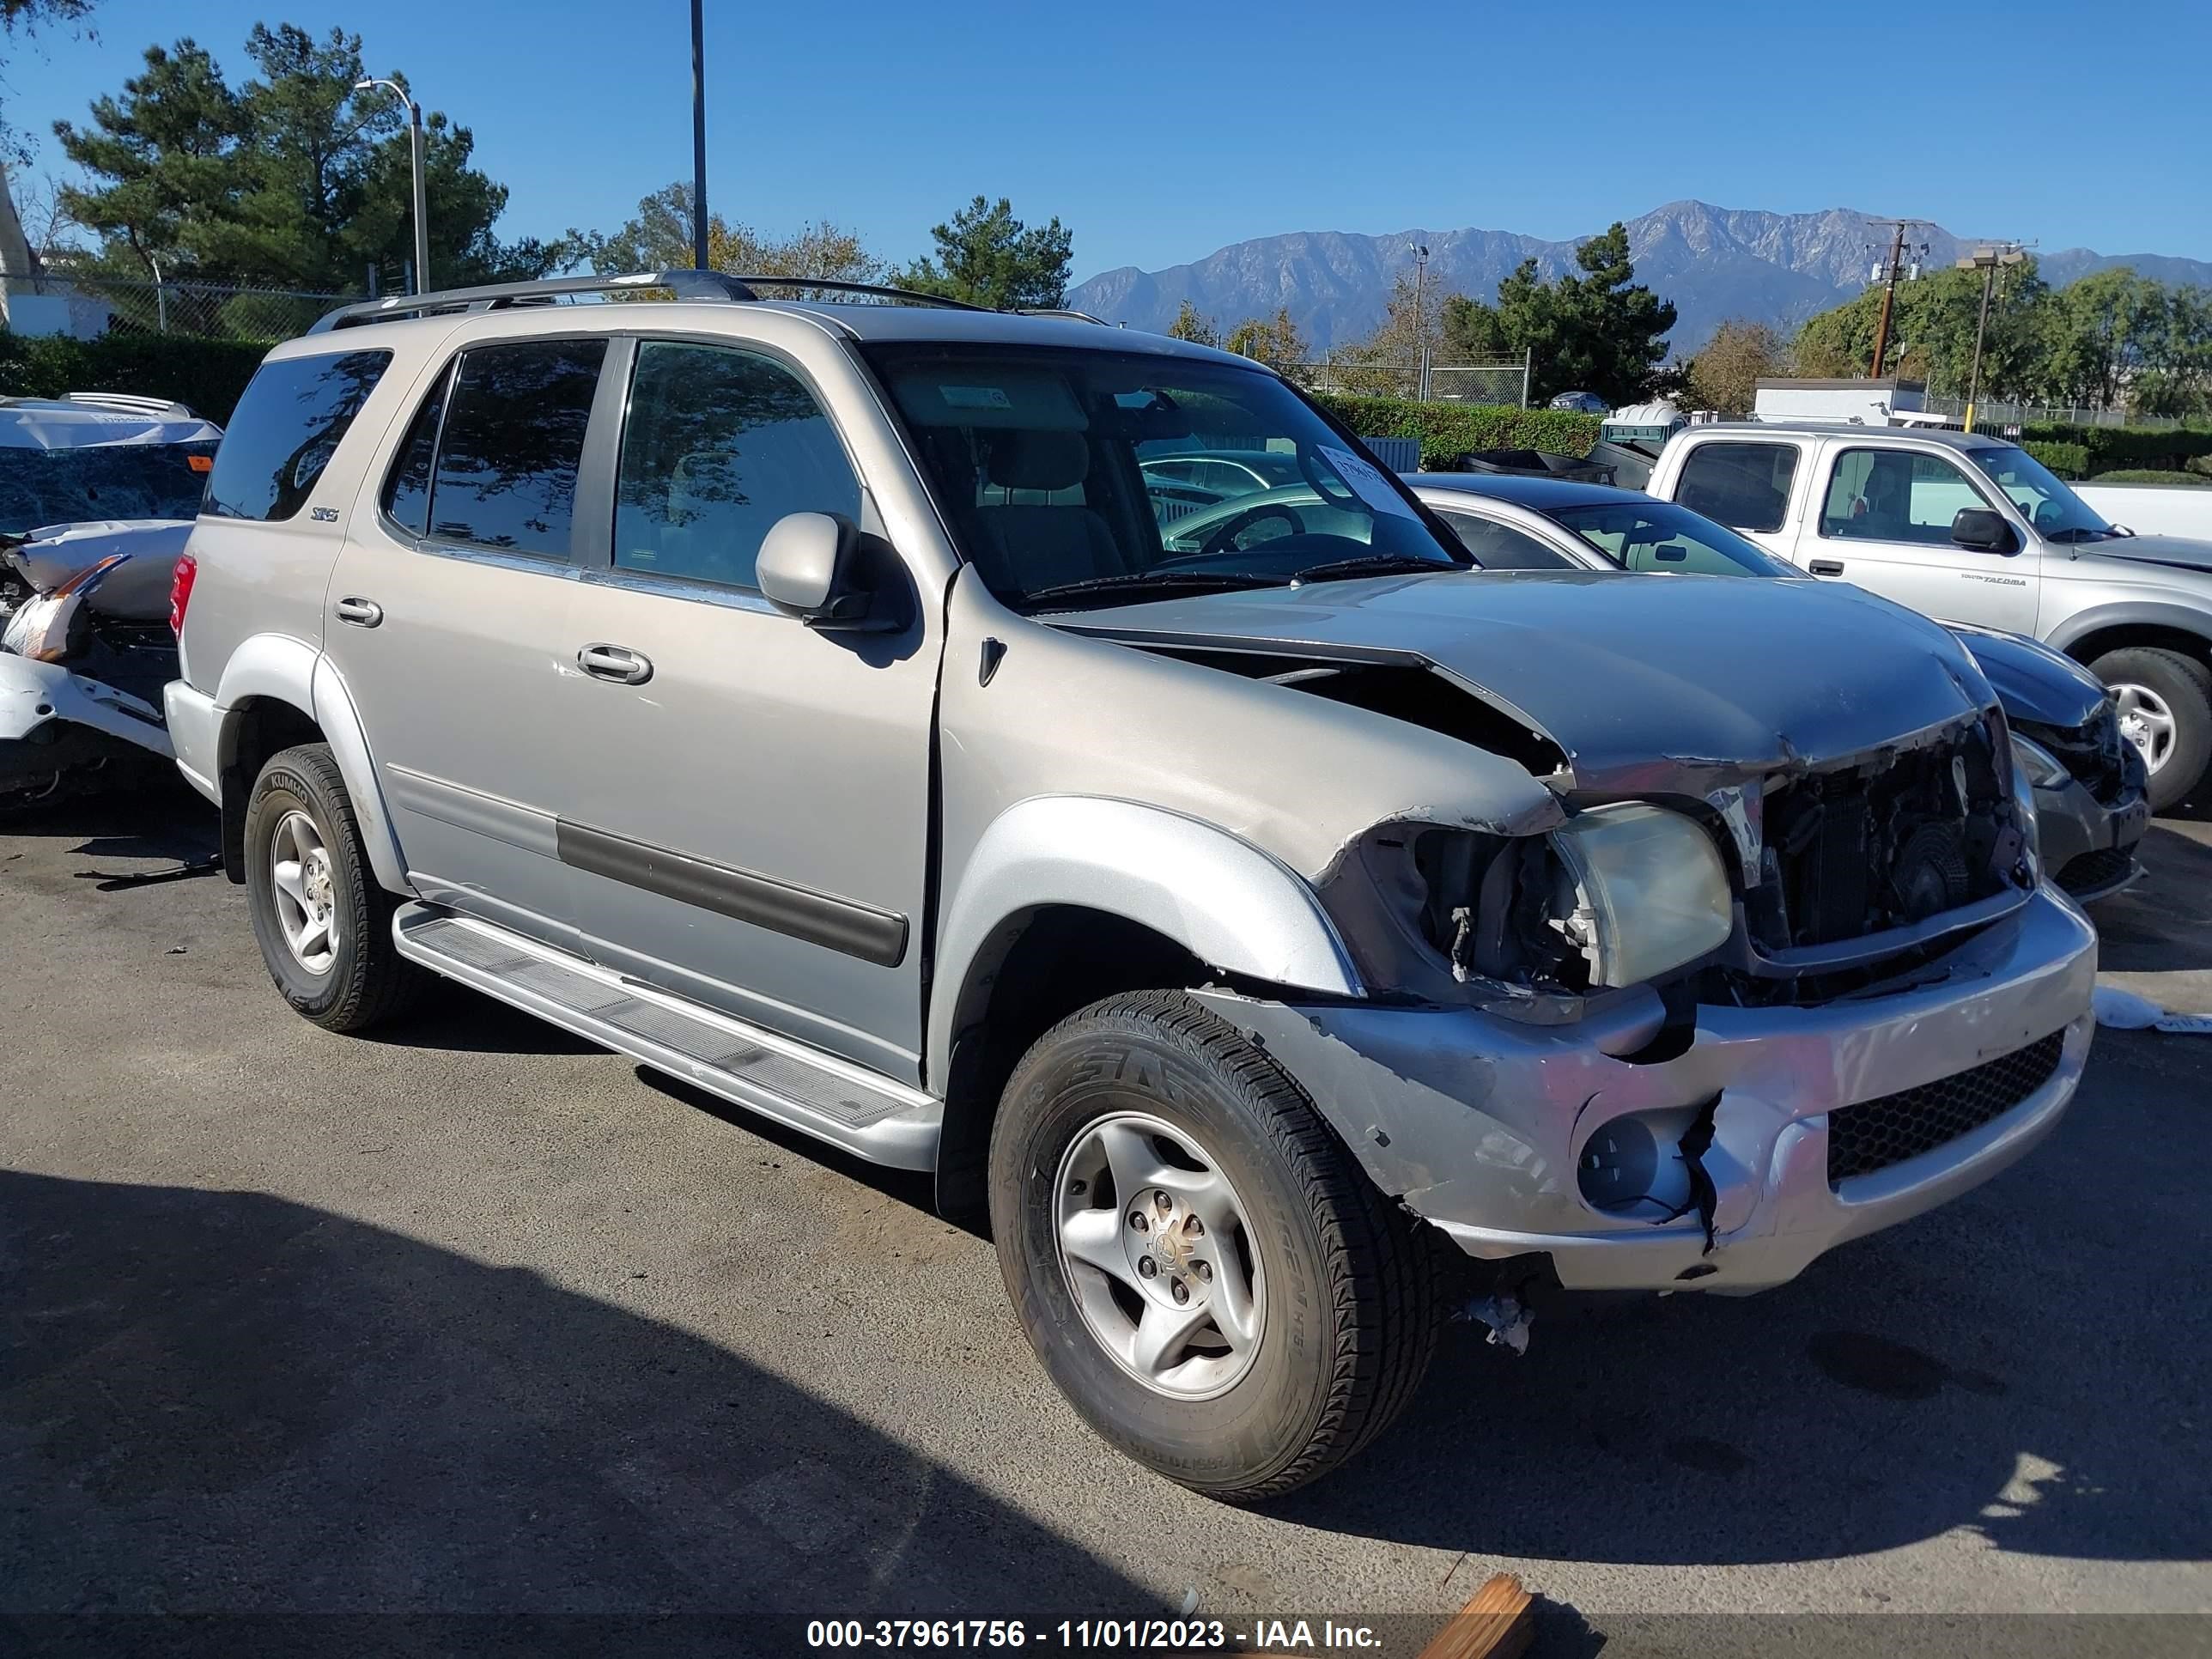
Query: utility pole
{"points": [[414, 152], [1986, 260], [1420, 343], [1887, 273], [698, 135]]}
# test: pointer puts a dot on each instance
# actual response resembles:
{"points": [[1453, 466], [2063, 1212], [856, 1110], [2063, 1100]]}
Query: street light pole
{"points": [[1986, 260], [416, 166], [1420, 345], [698, 135]]}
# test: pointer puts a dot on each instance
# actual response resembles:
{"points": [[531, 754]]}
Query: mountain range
{"points": [[1714, 263]]}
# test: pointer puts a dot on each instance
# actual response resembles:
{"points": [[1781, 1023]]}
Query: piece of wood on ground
{"points": [[1499, 1622]]}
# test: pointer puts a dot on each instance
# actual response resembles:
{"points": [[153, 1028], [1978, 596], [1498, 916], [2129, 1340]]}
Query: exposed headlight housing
{"points": [[2045, 770], [1649, 892]]}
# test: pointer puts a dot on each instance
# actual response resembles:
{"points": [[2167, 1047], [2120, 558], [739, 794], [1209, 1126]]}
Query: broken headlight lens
{"points": [[2043, 767], [1650, 891]]}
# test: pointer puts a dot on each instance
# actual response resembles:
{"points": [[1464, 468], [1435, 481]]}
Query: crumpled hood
{"points": [[51, 555], [1635, 680], [2033, 682], [2178, 551]]}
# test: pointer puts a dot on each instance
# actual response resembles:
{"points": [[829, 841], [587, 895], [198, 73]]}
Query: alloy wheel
{"points": [[2147, 720], [300, 878], [1159, 1255]]}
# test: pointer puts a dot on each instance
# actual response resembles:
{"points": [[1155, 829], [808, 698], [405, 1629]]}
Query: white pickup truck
{"points": [[1973, 529]]}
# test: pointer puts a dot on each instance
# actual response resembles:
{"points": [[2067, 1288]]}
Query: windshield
{"points": [[2057, 514], [1662, 537], [42, 487], [1070, 476]]}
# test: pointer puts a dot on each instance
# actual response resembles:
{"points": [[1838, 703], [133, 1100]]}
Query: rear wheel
{"points": [[2165, 712], [1204, 1271], [323, 925]]}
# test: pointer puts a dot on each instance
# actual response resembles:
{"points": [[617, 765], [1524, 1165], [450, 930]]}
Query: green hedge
{"points": [[2067, 460], [2108, 448], [1447, 431], [208, 375], [2151, 475]]}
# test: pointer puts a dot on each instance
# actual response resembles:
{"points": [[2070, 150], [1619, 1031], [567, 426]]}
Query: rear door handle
{"points": [[1826, 567], [361, 613], [618, 663]]}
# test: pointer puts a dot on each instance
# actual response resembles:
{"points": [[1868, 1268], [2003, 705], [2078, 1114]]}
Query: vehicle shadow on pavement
{"points": [[2026, 1364], [2163, 923], [223, 1403]]}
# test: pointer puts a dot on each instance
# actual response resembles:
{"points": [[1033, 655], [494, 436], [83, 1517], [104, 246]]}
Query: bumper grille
{"points": [[2092, 873], [1877, 1134]]}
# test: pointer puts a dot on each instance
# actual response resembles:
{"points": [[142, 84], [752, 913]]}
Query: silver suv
{"points": [[806, 700]]}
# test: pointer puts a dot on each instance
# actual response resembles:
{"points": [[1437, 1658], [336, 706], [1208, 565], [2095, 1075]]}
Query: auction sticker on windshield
{"points": [[1366, 482]]}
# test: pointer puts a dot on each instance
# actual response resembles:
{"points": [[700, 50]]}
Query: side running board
{"points": [[819, 1094]]}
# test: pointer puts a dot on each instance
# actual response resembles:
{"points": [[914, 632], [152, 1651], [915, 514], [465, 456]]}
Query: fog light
{"points": [[1633, 1165]]}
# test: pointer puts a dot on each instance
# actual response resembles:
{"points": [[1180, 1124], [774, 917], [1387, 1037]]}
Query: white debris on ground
{"points": [[2123, 1011], [1508, 1320]]}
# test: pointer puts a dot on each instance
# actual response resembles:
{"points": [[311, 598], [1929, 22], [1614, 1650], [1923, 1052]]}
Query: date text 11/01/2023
{"points": [[1137, 1635]]}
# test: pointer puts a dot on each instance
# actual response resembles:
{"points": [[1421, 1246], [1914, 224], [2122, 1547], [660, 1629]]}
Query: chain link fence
{"points": [[87, 306], [1459, 383], [1993, 414]]}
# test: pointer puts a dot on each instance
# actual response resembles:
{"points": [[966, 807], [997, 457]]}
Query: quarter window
{"points": [[719, 445], [287, 427], [513, 440], [1744, 486], [1894, 495], [407, 495]]}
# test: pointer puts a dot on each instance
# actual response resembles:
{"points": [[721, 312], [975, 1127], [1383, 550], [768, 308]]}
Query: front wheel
{"points": [[1204, 1271], [2165, 711]]}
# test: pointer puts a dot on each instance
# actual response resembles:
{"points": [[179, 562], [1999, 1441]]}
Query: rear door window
{"points": [[1744, 486], [285, 430], [512, 443]]}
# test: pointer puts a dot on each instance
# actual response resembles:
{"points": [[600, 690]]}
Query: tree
{"points": [[292, 179], [21, 20], [1725, 374], [1932, 327], [2106, 327], [1600, 331], [988, 257], [660, 238], [1190, 325], [1275, 341], [1388, 360]]}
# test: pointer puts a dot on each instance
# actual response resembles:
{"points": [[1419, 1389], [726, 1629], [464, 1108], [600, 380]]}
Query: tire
{"points": [[2172, 687], [1339, 1295], [361, 978]]}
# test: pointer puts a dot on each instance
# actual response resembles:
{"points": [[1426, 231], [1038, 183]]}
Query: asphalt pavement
{"points": [[470, 1338]]}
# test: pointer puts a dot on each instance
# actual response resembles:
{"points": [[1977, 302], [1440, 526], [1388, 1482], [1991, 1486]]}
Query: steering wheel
{"points": [[1326, 484], [2049, 514], [1219, 542]]}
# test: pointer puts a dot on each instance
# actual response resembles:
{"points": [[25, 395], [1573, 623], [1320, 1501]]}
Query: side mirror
{"points": [[802, 568], [1982, 529]]}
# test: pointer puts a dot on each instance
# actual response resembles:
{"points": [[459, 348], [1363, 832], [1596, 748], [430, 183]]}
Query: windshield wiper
{"points": [[1394, 564], [2082, 533], [1137, 581]]}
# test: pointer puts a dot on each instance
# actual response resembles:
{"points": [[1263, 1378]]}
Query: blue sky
{"points": [[1161, 132]]}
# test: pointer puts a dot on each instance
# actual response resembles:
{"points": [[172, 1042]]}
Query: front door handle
{"points": [[618, 663], [361, 613], [1826, 567]]}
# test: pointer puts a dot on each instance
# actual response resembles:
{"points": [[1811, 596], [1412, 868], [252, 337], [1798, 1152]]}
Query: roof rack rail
{"points": [[683, 285], [1069, 312]]}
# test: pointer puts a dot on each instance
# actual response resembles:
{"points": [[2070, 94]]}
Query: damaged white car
{"points": [[806, 700]]}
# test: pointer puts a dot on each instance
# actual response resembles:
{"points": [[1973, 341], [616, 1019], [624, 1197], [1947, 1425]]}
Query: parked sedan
{"points": [[2090, 797]]}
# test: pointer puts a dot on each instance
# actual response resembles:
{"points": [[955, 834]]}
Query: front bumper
{"points": [[2089, 847], [1477, 1122]]}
